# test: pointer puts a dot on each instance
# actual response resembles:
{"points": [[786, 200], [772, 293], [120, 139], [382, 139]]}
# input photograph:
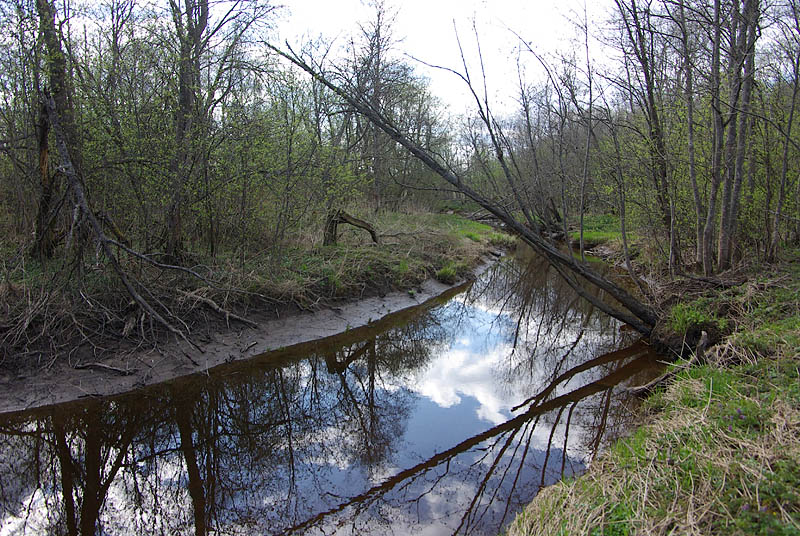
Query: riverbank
{"points": [[718, 451], [314, 293]]}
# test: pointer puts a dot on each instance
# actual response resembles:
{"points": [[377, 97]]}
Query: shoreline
{"points": [[126, 372], [717, 449]]}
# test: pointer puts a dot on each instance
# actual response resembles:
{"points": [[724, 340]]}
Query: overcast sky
{"points": [[424, 29]]}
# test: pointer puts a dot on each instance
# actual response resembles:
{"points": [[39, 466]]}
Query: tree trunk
{"points": [[643, 317], [690, 133], [67, 472], [637, 30], [93, 496], [751, 13], [44, 243], [196, 489], [717, 147], [190, 26], [339, 216], [772, 250], [331, 234], [56, 66]]}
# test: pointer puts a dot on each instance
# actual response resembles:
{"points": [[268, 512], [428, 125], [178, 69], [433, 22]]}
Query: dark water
{"points": [[406, 427]]}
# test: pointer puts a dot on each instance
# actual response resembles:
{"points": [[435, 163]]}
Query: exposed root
{"points": [[195, 295]]}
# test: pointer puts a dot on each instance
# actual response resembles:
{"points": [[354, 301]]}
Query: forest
{"points": [[155, 155]]}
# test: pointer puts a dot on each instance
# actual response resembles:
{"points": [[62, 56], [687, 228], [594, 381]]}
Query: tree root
{"points": [[216, 308], [697, 357]]}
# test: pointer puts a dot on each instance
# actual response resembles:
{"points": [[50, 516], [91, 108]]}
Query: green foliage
{"points": [[684, 317], [616, 522]]}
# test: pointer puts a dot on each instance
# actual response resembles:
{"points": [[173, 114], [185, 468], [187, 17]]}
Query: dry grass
{"points": [[719, 452], [718, 459], [59, 308]]}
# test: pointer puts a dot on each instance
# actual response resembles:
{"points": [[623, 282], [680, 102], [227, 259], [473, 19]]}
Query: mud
{"points": [[63, 382]]}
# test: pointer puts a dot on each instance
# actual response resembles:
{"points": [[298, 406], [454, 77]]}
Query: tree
{"points": [[60, 89], [643, 318], [208, 53], [640, 33]]}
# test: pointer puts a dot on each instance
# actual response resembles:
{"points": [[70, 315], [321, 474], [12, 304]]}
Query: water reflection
{"points": [[448, 423]]}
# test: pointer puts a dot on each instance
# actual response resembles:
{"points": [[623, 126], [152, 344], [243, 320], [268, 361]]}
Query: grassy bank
{"points": [[598, 229], [52, 308], [719, 448]]}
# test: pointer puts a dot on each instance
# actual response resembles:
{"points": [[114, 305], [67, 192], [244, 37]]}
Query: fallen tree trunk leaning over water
{"points": [[641, 317]]}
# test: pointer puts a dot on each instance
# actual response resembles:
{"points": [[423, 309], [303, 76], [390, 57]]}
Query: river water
{"points": [[445, 419]]}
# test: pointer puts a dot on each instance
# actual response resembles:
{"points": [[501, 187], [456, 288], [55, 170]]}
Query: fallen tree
{"points": [[642, 317]]}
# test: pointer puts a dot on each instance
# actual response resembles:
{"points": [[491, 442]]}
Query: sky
{"points": [[425, 30]]}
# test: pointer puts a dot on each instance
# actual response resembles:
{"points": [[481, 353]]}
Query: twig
{"points": [[213, 305], [109, 368]]}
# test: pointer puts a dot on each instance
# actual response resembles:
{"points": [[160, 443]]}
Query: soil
{"points": [[63, 382]]}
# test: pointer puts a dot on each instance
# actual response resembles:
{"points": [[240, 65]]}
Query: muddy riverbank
{"points": [[62, 381], [452, 413]]}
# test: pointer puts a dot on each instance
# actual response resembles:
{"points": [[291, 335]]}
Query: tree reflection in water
{"points": [[448, 423]]}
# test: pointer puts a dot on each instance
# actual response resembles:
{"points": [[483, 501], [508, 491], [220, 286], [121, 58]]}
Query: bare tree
{"points": [[642, 317], [792, 38]]}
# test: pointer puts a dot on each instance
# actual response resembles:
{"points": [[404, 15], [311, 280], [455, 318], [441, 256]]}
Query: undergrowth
{"points": [[50, 308]]}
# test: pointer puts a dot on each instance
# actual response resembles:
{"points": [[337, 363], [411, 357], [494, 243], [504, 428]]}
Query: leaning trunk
{"points": [[641, 317]]}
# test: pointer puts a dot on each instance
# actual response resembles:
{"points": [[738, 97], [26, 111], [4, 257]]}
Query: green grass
{"points": [[451, 272], [420, 245], [697, 314], [599, 229], [720, 450], [763, 314], [722, 457], [502, 240]]}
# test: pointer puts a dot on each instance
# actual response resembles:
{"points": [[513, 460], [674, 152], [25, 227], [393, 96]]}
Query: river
{"points": [[447, 419]]}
